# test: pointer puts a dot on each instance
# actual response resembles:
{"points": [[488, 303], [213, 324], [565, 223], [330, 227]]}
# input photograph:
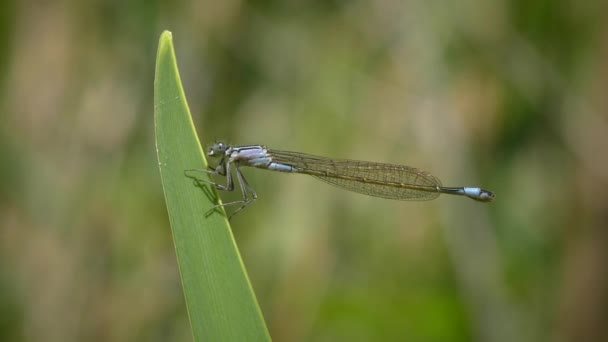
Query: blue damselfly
{"points": [[374, 179]]}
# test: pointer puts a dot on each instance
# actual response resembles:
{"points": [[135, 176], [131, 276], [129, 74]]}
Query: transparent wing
{"points": [[373, 179]]}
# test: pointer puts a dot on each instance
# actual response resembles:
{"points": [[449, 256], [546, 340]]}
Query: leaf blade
{"points": [[219, 297]]}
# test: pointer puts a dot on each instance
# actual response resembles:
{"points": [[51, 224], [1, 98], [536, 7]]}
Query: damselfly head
{"points": [[217, 149]]}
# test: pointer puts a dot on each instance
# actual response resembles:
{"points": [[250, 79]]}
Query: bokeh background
{"points": [[508, 95]]}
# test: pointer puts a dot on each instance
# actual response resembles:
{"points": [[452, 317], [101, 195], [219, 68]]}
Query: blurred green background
{"points": [[508, 95]]}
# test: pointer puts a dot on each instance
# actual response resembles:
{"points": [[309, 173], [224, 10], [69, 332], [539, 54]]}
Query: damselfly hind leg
{"points": [[244, 187]]}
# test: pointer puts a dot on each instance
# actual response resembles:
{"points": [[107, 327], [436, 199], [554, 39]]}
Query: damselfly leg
{"points": [[224, 169]]}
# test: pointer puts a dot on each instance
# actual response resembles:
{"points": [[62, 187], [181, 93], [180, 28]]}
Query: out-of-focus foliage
{"points": [[508, 95]]}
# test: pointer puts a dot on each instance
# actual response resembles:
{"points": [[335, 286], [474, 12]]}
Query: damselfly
{"points": [[374, 179]]}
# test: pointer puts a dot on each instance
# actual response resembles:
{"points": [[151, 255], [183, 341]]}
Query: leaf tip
{"points": [[166, 36]]}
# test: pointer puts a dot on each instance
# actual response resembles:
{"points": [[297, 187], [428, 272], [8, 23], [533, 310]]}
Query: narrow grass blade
{"points": [[220, 301]]}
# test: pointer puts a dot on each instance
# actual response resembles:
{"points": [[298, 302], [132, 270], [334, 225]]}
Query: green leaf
{"points": [[220, 300]]}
